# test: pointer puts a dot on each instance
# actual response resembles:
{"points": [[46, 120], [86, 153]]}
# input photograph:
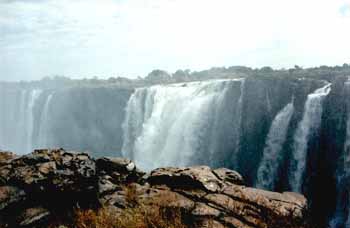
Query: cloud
{"points": [[83, 38]]}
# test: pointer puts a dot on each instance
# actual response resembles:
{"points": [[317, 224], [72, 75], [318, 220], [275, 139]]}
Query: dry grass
{"points": [[138, 217]]}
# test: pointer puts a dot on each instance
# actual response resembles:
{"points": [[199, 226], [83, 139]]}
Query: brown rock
{"points": [[10, 195], [47, 167], [193, 177], [229, 176], [210, 198], [202, 209], [5, 157], [33, 216]]}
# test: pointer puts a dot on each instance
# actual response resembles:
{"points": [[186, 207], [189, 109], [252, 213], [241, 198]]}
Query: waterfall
{"points": [[272, 154], [20, 128], [135, 117], [17, 119], [44, 123], [309, 125], [34, 95], [268, 102], [343, 174], [170, 124], [238, 129]]}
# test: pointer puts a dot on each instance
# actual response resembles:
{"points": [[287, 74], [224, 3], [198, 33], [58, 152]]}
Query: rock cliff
{"points": [[46, 184]]}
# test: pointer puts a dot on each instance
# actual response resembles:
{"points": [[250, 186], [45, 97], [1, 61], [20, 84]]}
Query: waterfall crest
{"points": [[169, 125], [272, 156], [309, 125]]}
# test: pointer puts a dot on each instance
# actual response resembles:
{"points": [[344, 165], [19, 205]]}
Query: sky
{"points": [[130, 38]]}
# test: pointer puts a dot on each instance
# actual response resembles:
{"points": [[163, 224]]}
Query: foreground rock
{"points": [[48, 183]]}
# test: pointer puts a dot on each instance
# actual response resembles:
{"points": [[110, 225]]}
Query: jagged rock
{"points": [[187, 178], [121, 169], [122, 165], [228, 175], [49, 179], [6, 156], [10, 195], [50, 169]]}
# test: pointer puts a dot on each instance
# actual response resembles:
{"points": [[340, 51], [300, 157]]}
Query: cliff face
{"points": [[47, 184], [281, 133]]}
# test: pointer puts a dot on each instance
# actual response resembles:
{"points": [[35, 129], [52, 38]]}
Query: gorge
{"points": [[281, 134]]}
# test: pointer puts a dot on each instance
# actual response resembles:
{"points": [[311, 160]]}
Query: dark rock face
{"points": [[45, 183]]}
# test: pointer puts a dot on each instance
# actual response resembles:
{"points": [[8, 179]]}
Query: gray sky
{"points": [[84, 38]]}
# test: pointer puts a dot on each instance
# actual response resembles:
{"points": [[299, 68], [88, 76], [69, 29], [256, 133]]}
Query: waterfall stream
{"points": [[272, 155], [309, 125], [34, 95], [44, 123]]}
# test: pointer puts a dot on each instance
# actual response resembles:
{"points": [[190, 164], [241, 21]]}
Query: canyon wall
{"points": [[281, 134]]}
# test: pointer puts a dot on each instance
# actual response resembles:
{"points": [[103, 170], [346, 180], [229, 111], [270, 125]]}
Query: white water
{"points": [[44, 123], [272, 155], [169, 125], [237, 129], [309, 125], [20, 129], [34, 95], [17, 120]]}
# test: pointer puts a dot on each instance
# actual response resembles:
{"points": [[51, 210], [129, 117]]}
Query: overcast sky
{"points": [[84, 38]]}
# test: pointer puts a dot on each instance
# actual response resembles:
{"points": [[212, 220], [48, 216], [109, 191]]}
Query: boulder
{"points": [[200, 177], [121, 170]]}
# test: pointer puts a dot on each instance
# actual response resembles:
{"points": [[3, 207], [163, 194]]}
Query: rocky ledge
{"points": [[36, 188]]}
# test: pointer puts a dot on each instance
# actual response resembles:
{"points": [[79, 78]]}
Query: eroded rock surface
{"points": [[45, 183]]}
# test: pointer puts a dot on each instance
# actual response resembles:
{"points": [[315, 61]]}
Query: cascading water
{"points": [[34, 95], [17, 119], [44, 123], [309, 125], [169, 125], [272, 155], [20, 129], [237, 130]]}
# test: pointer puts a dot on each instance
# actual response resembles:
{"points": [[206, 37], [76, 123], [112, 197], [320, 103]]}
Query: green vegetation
{"points": [[163, 77]]}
